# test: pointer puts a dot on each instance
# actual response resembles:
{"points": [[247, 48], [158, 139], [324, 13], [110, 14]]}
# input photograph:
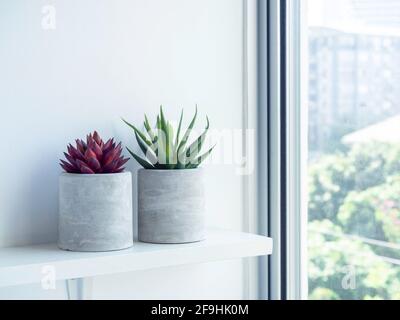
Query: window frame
{"points": [[296, 148], [282, 108]]}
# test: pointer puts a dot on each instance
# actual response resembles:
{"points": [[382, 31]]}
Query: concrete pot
{"points": [[95, 212], [171, 206]]}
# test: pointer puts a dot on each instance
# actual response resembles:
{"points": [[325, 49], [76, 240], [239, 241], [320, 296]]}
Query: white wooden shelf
{"points": [[29, 264]]}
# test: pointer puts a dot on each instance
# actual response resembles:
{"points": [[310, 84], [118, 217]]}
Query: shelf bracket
{"points": [[79, 289]]}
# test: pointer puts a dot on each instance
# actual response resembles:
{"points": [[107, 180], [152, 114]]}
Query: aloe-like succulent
{"points": [[94, 156], [165, 151]]}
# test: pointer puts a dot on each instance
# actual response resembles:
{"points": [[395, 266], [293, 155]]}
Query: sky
{"points": [[356, 16]]}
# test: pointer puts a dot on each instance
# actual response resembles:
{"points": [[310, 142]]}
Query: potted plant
{"points": [[170, 184], [95, 197]]}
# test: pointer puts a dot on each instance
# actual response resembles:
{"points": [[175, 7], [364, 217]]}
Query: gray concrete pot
{"points": [[171, 206], [95, 212]]}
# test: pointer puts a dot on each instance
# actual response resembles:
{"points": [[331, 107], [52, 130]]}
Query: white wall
{"points": [[107, 59]]}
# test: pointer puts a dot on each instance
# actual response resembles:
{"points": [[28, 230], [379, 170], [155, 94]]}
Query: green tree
{"points": [[373, 213], [333, 255], [354, 194], [333, 177]]}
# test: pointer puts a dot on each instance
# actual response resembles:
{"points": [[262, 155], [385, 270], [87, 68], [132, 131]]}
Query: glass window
{"points": [[353, 149]]}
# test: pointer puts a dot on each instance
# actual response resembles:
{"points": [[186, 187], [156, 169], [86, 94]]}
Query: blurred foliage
{"points": [[373, 213], [354, 194], [334, 258]]}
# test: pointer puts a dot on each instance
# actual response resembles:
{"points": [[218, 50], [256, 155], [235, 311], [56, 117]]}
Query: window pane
{"points": [[354, 149]]}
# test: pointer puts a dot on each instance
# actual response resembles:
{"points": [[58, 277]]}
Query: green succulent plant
{"points": [[165, 151]]}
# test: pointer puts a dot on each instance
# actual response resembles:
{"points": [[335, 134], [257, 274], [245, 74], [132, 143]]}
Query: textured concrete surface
{"points": [[95, 212], [171, 206]]}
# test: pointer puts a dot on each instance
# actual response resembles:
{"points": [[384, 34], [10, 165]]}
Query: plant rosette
{"points": [[95, 197]]}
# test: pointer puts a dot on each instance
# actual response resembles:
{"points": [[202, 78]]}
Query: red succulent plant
{"points": [[94, 156]]}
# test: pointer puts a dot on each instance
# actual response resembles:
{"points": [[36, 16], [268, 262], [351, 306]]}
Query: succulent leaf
{"points": [[195, 163], [97, 150], [75, 153], [80, 145], [108, 145], [147, 151], [96, 137], [87, 170], [179, 129], [140, 133], [94, 164], [187, 133], [148, 129], [194, 149], [158, 123], [68, 167], [141, 161], [165, 130]]}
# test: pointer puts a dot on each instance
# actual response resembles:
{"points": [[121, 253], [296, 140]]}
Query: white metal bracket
{"points": [[79, 289]]}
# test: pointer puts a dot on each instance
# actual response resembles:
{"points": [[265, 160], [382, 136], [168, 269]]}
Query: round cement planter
{"points": [[95, 212], [171, 206]]}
